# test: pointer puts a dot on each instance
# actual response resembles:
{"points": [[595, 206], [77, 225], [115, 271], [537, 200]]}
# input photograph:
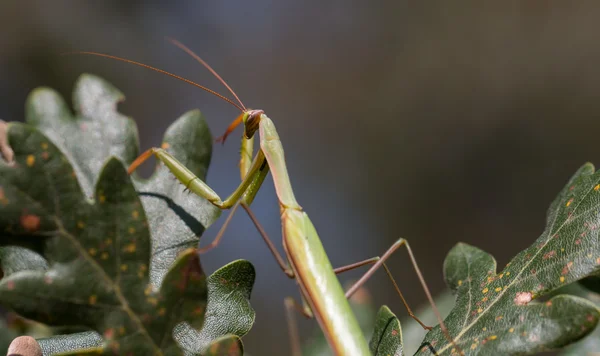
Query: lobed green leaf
{"points": [[497, 313], [229, 311], [387, 335], [98, 250], [492, 318], [97, 131]]}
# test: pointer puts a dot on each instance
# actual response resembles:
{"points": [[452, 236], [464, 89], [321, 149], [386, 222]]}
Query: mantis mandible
{"points": [[322, 295]]}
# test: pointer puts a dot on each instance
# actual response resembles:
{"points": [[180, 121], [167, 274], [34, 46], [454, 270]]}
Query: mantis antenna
{"points": [[214, 72], [240, 108], [239, 119]]}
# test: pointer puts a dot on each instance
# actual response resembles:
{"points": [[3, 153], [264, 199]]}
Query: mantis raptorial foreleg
{"points": [[194, 184]]}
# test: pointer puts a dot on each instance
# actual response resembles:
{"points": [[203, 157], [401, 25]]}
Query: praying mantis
{"points": [[322, 294]]}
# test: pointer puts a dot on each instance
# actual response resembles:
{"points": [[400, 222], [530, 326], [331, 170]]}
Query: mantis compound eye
{"points": [[252, 122]]}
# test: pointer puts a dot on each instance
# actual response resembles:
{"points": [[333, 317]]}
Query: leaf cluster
{"points": [[86, 248]]}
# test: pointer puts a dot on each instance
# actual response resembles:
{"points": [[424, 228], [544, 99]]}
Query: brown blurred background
{"points": [[430, 121]]}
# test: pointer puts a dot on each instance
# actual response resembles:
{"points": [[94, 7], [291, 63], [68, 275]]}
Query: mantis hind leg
{"points": [[379, 262], [291, 306]]}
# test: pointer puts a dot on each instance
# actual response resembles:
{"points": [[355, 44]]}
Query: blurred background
{"points": [[429, 121]]}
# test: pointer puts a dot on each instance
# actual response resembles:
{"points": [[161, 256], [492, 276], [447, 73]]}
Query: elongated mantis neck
{"points": [[308, 259]]}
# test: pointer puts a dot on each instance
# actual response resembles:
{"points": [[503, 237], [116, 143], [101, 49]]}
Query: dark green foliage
{"points": [[108, 258], [496, 313], [228, 314], [97, 131], [491, 317], [98, 251], [229, 310]]}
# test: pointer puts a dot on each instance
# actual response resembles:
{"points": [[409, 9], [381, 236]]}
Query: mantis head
{"points": [[250, 119]]}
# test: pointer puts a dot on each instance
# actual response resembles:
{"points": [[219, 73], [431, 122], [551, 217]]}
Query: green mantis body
{"points": [[306, 255], [307, 261]]}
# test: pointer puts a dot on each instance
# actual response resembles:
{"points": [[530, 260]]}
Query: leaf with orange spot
{"points": [[229, 311], [565, 252], [81, 289], [97, 131], [524, 327], [387, 335], [110, 254], [228, 317]]}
